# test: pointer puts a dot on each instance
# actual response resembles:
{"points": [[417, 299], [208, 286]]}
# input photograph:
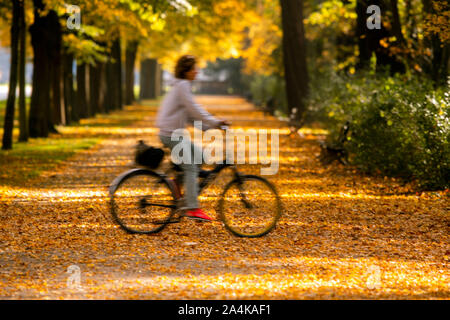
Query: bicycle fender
{"points": [[116, 181]]}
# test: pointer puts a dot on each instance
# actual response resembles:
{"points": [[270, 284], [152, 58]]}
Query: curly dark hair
{"points": [[184, 64]]}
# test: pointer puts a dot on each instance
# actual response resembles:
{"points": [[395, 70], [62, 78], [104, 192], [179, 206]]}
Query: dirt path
{"points": [[342, 235]]}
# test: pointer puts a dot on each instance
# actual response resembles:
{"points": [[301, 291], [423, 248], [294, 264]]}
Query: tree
{"points": [[81, 93], [148, 85], [116, 54], [23, 125], [374, 41], [70, 109], [294, 56], [96, 87], [56, 112], [361, 34], [396, 23], [437, 29], [130, 58], [263, 39], [113, 69], [40, 98], [10, 103]]}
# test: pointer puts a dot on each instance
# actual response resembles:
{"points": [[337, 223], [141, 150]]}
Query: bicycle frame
{"points": [[207, 176]]}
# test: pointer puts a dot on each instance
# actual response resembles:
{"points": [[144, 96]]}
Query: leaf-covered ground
{"points": [[342, 235]]}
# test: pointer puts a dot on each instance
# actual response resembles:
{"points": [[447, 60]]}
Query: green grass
{"points": [[43, 148], [29, 159], [2, 111], [16, 111], [108, 120]]}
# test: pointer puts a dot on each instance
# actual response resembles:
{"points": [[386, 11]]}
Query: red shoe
{"points": [[197, 214]]}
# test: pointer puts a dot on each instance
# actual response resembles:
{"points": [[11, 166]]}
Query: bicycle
{"points": [[145, 201]]}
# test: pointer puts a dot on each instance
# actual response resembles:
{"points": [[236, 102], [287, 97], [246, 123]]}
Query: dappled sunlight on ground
{"points": [[342, 234]]}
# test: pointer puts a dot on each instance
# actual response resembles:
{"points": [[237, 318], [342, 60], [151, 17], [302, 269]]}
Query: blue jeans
{"points": [[190, 170]]}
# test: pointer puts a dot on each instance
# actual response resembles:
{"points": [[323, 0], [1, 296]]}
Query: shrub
{"points": [[399, 126], [264, 88]]}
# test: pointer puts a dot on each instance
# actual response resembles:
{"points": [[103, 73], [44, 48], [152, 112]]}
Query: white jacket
{"points": [[178, 108]]}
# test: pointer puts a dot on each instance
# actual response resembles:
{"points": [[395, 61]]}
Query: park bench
{"points": [[335, 150]]}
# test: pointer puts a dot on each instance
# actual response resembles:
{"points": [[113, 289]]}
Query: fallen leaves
{"points": [[337, 227]]}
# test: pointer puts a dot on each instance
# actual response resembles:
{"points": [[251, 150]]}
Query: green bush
{"points": [[399, 126], [263, 88]]}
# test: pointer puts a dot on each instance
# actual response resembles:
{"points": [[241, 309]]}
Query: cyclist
{"points": [[176, 111]]}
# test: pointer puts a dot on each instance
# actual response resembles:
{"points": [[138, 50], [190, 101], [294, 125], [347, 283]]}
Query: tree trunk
{"points": [[57, 115], [361, 33], [95, 82], [294, 56], [148, 81], [102, 90], [82, 103], [113, 73], [110, 87], [23, 135], [10, 103], [158, 80], [369, 39], [131, 52], [117, 74], [410, 19], [69, 93], [161, 77], [40, 97], [438, 68], [396, 23]]}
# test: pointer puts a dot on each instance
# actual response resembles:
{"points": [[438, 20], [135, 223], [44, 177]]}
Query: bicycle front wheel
{"points": [[142, 201], [250, 206]]}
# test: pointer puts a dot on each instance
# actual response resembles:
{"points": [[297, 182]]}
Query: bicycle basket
{"points": [[148, 156]]}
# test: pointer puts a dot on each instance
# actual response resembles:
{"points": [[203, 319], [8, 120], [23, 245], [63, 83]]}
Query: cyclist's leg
{"points": [[167, 142], [191, 177], [190, 169]]}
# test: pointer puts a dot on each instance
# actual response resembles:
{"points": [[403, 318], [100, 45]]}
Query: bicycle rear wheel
{"points": [[142, 201], [250, 206]]}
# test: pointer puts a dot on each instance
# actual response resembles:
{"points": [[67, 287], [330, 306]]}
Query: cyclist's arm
{"points": [[194, 110]]}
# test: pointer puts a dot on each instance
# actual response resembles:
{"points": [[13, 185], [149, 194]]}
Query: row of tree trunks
{"points": [[46, 108], [53, 73], [11, 100], [54, 100]]}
